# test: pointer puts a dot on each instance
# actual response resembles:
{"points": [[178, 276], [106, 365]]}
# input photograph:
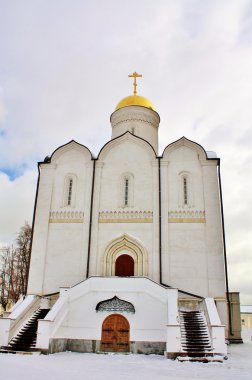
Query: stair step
{"points": [[27, 336], [187, 344], [194, 334], [205, 359], [200, 343]]}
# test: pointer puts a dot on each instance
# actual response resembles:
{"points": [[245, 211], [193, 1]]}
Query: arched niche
{"points": [[125, 245]]}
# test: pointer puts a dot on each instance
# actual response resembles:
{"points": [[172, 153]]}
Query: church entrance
{"points": [[115, 334], [124, 266]]}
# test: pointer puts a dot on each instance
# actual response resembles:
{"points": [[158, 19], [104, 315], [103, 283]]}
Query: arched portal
{"points": [[125, 245], [124, 266], [115, 334]]}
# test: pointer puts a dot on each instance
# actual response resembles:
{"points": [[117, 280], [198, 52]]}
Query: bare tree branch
{"points": [[14, 267]]}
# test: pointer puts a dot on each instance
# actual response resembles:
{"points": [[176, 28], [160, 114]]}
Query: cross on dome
{"points": [[135, 100], [135, 75]]}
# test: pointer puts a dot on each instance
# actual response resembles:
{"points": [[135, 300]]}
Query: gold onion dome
{"points": [[135, 100]]}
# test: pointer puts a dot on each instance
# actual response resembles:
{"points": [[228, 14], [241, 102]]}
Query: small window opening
{"points": [[126, 192], [185, 191], [70, 191]]}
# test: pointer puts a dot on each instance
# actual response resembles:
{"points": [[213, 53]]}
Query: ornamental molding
{"points": [[186, 216], [126, 217], [134, 248], [139, 114], [134, 119], [115, 304], [66, 217]]}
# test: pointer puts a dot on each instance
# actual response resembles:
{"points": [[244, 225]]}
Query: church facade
{"points": [[127, 252]]}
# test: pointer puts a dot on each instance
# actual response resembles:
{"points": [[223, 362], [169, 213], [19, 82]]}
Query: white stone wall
{"points": [[192, 251], [59, 249], [128, 154], [83, 322], [192, 235]]}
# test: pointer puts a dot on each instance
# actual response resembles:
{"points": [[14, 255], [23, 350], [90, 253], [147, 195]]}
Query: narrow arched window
{"points": [[69, 191], [126, 192], [185, 183], [185, 190]]}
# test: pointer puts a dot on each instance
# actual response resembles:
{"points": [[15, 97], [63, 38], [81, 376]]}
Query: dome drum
{"points": [[140, 121], [135, 113]]}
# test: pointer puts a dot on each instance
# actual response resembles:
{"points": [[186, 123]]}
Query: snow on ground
{"points": [[75, 366]]}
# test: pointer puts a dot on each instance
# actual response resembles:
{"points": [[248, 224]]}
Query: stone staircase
{"points": [[195, 338], [26, 338]]}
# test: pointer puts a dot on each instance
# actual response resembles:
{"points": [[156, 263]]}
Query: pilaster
{"points": [[94, 265], [41, 228]]}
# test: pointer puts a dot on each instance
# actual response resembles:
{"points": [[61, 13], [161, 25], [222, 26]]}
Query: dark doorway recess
{"points": [[124, 266]]}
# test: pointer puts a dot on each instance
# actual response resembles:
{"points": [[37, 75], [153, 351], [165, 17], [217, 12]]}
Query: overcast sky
{"points": [[64, 67]]}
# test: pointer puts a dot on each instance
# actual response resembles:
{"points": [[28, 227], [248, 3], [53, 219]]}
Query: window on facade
{"points": [[185, 190], [69, 191], [126, 192]]}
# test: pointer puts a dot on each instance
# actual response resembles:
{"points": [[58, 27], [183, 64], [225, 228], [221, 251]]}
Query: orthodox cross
{"points": [[135, 75]]}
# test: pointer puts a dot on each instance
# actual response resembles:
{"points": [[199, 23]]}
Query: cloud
{"points": [[2, 111], [16, 204]]}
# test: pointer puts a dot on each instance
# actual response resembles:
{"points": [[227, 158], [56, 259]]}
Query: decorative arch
{"points": [[125, 244], [115, 304], [127, 136], [67, 147], [183, 141]]}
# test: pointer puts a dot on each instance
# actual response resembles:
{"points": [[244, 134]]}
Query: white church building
{"points": [[128, 247]]}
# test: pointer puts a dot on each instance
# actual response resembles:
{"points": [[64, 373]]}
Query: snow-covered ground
{"points": [[73, 366]]}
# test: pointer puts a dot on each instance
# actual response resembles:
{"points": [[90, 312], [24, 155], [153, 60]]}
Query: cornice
{"points": [[66, 217]]}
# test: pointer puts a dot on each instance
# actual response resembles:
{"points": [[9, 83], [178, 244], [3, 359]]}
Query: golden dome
{"points": [[135, 100]]}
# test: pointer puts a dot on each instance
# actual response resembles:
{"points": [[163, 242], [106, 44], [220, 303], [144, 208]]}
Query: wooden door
{"points": [[124, 266], [115, 334]]}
